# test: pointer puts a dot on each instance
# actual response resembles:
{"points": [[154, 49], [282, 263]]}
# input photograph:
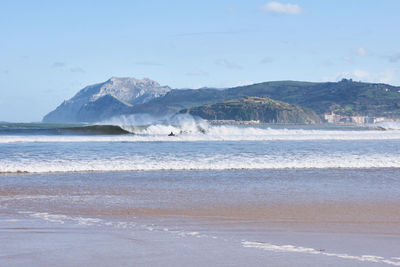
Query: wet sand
{"points": [[219, 218]]}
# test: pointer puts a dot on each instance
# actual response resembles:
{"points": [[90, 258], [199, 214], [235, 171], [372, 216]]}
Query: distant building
{"points": [[359, 119], [335, 118], [332, 118], [379, 119]]}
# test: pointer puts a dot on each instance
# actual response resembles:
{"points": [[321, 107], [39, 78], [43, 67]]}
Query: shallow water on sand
{"points": [[320, 217]]}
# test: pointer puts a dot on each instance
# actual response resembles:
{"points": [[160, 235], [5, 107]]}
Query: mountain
{"points": [[125, 96], [345, 97], [104, 100], [263, 109]]}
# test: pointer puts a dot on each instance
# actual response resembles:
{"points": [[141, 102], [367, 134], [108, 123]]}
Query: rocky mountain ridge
{"points": [[105, 100]]}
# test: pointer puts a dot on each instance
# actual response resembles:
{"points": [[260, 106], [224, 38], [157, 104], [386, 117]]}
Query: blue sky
{"points": [[51, 49]]}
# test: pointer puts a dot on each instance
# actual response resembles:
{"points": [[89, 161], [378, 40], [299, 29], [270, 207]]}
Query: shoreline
{"points": [[180, 218], [196, 170]]}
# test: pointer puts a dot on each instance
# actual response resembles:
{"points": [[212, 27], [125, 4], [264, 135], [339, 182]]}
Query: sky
{"points": [[49, 50]]}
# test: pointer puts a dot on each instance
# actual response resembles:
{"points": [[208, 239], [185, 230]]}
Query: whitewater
{"points": [[158, 133], [196, 145]]}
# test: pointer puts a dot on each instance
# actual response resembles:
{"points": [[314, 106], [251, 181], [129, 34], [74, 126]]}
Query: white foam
{"points": [[54, 218], [180, 233], [388, 125], [305, 250], [24, 197], [87, 221], [188, 234], [149, 228], [195, 132], [203, 162]]}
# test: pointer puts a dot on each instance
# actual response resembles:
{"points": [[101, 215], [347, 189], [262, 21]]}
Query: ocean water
{"points": [[220, 195], [38, 148]]}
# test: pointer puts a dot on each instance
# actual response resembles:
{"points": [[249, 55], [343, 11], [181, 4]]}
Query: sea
{"points": [[183, 192]]}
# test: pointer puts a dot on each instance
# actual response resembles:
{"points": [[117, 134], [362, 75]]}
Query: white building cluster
{"points": [[341, 119]]}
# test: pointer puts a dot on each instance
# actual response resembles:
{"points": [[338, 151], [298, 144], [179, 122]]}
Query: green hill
{"points": [[255, 108], [345, 97]]}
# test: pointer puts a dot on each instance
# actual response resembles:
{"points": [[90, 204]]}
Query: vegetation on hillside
{"points": [[261, 109], [345, 97]]}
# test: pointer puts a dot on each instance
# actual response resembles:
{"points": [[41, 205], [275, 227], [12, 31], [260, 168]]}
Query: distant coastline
{"points": [[340, 102]]}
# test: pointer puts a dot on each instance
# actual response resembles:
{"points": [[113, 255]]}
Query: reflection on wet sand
{"points": [[326, 217]]}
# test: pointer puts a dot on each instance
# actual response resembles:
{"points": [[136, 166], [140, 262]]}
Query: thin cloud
{"points": [[327, 63], [389, 76], [266, 60], [232, 10], [58, 64], [197, 73], [148, 63], [227, 64], [282, 8], [77, 70], [242, 83], [348, 60], [362, 52], [62, 66], [227, 32], [394, 58]]}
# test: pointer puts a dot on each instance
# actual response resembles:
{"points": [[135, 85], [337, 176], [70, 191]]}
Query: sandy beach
{"points": [[324, 217]]}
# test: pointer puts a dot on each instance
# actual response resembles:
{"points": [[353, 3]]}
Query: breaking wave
{"points": [[96, 130], [133, 146], [198, 133], [45, 129], [202, 162], [145, 128], [388, 125]]}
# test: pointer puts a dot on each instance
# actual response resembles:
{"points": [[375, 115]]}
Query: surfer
{"points": [[201, 129], [172, 134]]}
